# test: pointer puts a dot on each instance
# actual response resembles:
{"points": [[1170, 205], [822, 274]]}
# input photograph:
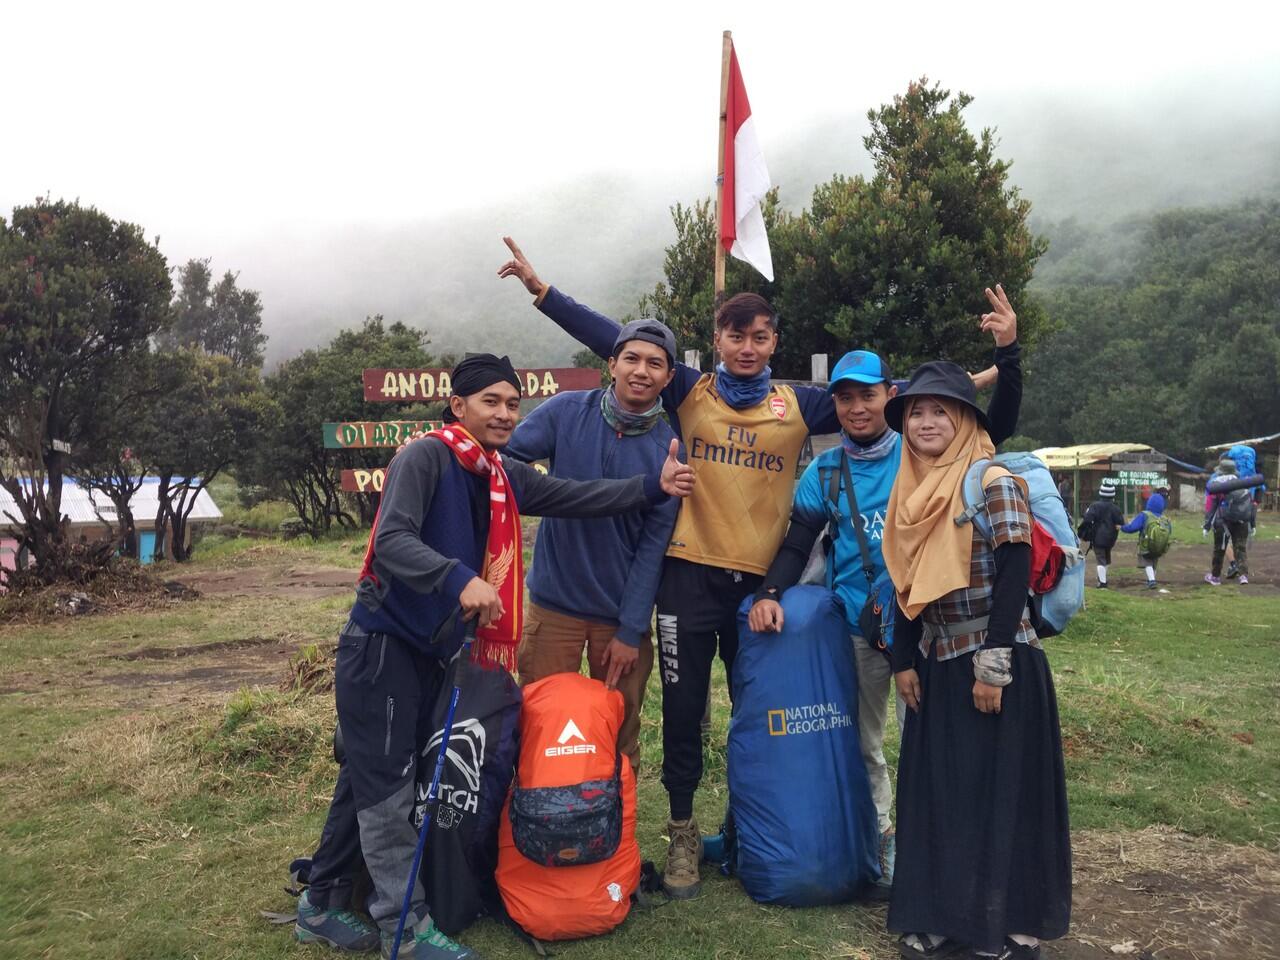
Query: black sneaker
{"points": [[1152, 585]]}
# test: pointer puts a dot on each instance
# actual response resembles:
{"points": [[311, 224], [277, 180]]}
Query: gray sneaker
{"points": [[425, 942], [340, 929]]}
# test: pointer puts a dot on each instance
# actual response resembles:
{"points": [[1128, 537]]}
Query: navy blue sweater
{"points": [[604, 570], [433, 523]]}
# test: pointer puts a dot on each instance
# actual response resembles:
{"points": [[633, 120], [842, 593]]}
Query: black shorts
{"points": [[1103, 554]]}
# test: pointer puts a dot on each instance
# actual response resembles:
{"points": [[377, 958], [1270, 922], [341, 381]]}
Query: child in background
{"points": [[1101, 524], [1154, 534]]}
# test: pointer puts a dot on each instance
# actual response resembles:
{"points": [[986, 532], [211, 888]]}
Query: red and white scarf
{"points": [[504, 552]]}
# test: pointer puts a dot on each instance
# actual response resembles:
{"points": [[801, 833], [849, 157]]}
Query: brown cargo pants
{"points": [[554, 643]]}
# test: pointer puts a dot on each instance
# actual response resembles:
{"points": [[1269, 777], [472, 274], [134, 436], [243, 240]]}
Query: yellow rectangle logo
{"points": [[777, 723]]}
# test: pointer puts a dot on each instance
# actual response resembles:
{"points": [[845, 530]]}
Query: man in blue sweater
{"points": [[447, 536], [861, 386], [593, 582]]}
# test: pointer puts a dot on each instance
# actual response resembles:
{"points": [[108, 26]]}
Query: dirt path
{"points": [[1156, 893], [1185, 565], [288, 582]]}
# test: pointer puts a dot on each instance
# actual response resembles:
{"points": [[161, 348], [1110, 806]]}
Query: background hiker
{"points": [[1230, 516], [1154, 531], [984, 846], [447, 534], [592, 583], [861, 386], [1100, 527]]}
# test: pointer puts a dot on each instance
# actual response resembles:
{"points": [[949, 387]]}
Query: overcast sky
{"points": [[221, 124]]}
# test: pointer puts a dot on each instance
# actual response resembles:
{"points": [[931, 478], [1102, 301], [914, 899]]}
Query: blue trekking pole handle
{"points": [[432, 792]]}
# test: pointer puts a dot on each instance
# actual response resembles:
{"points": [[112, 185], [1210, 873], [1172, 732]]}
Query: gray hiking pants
{"points": [[875, 687]]}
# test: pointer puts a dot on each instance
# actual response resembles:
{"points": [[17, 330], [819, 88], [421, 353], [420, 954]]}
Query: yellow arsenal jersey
{"points": [[745, 462]]}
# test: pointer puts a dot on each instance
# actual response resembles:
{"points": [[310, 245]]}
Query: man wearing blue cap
{"points": [[593, 582], [861, 385]]}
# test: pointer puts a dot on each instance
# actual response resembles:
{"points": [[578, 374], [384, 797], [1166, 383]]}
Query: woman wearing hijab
{"points": [[984, 849]]}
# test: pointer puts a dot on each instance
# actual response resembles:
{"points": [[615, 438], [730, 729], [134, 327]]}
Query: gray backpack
{"points": [[1238, 506]]}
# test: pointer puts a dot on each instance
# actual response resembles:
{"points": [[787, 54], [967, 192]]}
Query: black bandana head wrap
{"points": [[478, 371]]}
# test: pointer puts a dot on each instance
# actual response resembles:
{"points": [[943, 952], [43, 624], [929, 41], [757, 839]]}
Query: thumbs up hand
{"points": [[677, 478]]}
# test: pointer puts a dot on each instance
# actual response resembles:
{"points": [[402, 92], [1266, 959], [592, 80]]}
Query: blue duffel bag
{"points": [[799, 798]]}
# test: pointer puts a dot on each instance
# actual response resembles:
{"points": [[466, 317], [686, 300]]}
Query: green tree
{"points": [[206, 409], [898, 262], [324, 385], [80, 297], [1175, 345], [105, 460], [217, 318]]}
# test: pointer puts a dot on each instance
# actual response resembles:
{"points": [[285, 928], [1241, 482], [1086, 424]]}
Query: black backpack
{"points": [[462, 852]]}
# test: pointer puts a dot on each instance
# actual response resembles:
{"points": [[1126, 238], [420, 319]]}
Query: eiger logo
{"points": [[569, 732], [565, 748]]}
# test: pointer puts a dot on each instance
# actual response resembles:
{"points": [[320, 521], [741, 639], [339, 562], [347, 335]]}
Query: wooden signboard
{"points": [[405, 386], [366, 435], [370, 481], [363, 481]]}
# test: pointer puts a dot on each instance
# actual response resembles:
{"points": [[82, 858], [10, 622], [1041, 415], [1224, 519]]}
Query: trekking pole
{"points": [[433, 790]]}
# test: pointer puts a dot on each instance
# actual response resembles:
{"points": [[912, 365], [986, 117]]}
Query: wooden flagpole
{"points": [[726, 50]]}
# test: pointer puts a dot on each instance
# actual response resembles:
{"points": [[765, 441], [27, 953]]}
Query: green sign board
{"points": [[364, 435]]}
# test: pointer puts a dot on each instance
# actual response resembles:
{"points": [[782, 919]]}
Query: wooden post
{"points": [[818, 367], [725, 52]]}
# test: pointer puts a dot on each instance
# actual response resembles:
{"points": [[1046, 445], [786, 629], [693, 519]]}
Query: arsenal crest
{"points": [[779, 406]]}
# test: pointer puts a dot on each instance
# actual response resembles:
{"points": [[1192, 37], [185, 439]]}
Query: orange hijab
{"points": [[926, 552]]}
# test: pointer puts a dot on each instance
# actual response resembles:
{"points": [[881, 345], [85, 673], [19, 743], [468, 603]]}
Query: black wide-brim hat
{"points": [[937, 378]]}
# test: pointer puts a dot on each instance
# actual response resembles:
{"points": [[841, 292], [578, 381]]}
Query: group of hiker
{"points": [[675, 489], [1230, 515]]}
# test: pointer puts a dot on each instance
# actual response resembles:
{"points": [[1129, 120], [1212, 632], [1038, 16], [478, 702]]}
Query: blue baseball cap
{"points": [[860, 366]]}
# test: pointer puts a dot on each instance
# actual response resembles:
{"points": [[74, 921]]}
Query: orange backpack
{"points": [[568, 859]]}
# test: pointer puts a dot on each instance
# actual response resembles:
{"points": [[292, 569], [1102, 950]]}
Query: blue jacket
{"points": [[604, 570], [1155, 503], [873, 481]]}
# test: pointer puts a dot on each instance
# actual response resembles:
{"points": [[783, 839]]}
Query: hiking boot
{"points": [[425, 942], [340, 929], [1210, 578], [1152, 585], [680, 879], [880, 890], [1233, 571], [1243, 579]]}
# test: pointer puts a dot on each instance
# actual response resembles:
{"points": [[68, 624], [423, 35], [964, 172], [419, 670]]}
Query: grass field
{"points": [[156, 782]]}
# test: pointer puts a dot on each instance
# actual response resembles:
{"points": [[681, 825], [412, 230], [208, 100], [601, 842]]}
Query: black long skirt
{"points": [[984, 846]]}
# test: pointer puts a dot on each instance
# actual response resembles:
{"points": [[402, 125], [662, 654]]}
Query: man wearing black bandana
{"points": [[593, 582], [450, 505]]}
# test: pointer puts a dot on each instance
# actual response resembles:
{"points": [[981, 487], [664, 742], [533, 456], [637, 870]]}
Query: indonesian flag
{"points": [[746, 180]]}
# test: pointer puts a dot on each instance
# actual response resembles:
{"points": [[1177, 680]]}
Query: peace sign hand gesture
{"points": [[520, 268], [1002, 321]]}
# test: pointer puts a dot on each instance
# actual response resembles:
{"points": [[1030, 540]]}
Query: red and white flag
{"points": [[746, 180]]}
